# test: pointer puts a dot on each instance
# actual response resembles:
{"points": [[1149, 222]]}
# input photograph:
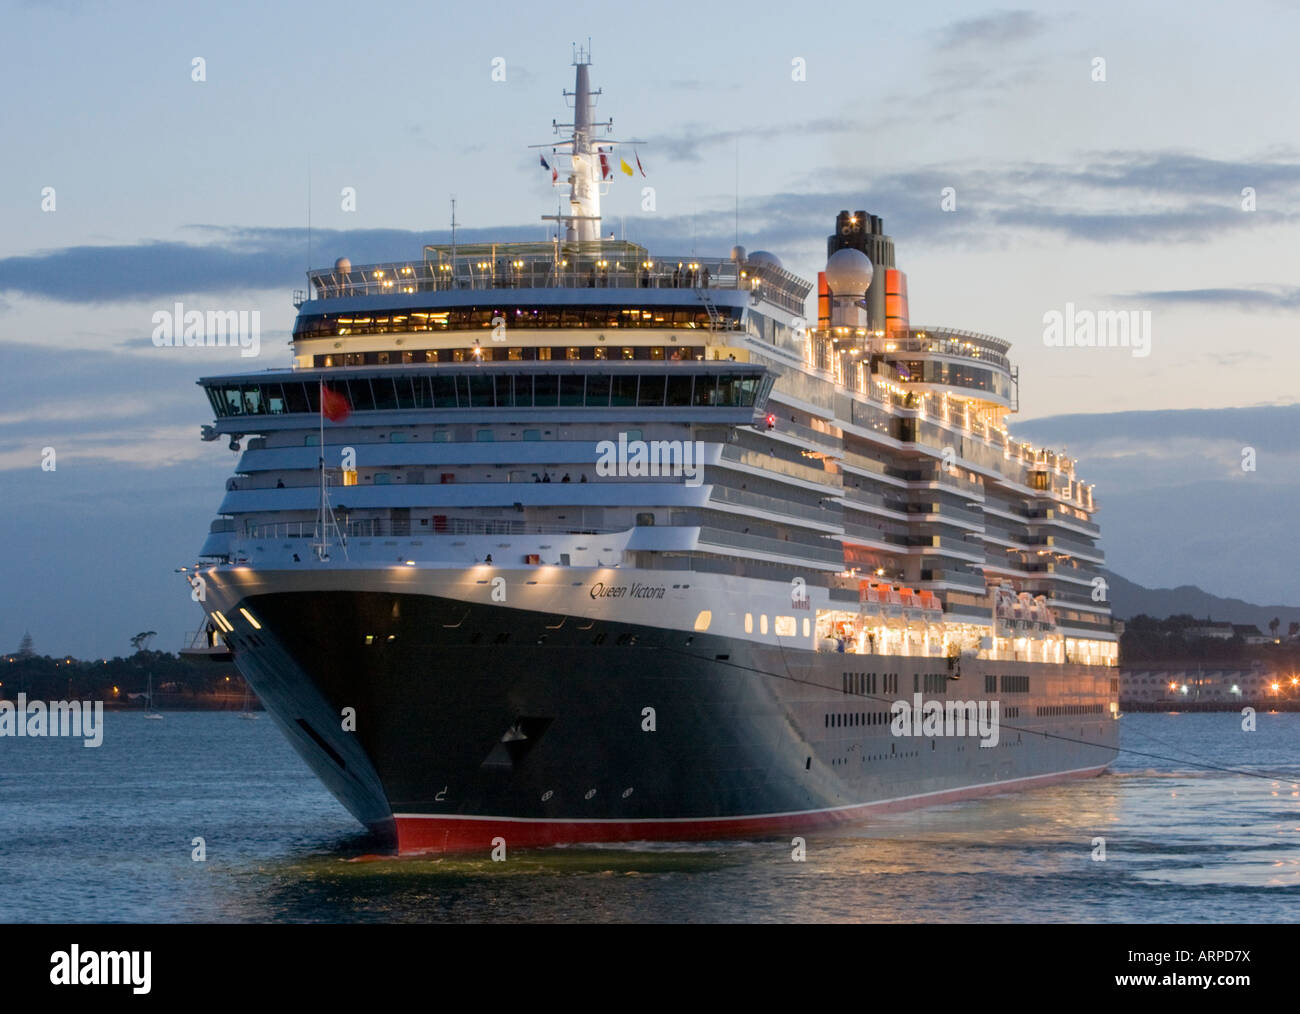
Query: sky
{"points": [[1164, 179]]}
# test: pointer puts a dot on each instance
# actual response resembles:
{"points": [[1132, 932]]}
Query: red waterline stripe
{"points": [[433, 833]]}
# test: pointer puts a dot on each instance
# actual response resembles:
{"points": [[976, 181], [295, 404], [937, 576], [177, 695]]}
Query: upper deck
{"points": [[557, 265]]}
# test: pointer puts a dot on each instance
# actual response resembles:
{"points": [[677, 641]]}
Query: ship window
{"points": [[679, 390], [571, 390], [749, 623], [515, 353], [383, 478], [544, 352], [360, 396], [598, 352], [485, 436], [652, 391], [480, 391], [545, 390], [703, 620], [597, 390], [385, 393], [762, 623], [397, 438], [785, 626], [627, 353], [623, 391], [706, 390], [532, 434], [807, 627], [444, 391]]}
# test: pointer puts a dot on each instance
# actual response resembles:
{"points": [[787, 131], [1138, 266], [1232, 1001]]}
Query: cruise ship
{"points": [[575, 541]]}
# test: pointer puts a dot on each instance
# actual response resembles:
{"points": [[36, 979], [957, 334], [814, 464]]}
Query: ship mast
{"points": [[584, 198], [582, 223]]}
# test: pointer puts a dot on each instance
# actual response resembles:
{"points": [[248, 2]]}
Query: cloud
{"points": [[1134, 197], [1275, 298], [1001, 28], [688, 144], [1265, 425], [230, 260], [103, 406]]}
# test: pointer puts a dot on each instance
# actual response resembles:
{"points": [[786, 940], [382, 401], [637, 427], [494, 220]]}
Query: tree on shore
{"points": [[25, 648]]}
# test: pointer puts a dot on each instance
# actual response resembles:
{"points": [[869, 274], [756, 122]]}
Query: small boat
{"points": [[150, 713], [246, 714]]}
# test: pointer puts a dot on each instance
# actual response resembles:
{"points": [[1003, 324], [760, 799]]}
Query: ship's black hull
{"points": [[474, 721]]}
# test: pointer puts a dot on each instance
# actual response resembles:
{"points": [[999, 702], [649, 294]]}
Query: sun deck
{"points": [[557, 265]]}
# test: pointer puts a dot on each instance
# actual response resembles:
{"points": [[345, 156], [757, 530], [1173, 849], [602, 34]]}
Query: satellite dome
{"points": [[342, 265], [849, 272], [763, 257]]}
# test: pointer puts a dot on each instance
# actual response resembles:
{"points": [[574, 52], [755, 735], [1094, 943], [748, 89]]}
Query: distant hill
{"points": [[1128, 599]]}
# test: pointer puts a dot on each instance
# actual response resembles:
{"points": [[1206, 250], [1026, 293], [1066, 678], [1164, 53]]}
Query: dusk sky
{"points": [[1117, 194]]}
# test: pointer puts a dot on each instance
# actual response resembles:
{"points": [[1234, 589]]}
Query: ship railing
{"points": [[771, 504], [890, 345], [789, 428], [858, 499], [438, 526], [620, 266], [739, 540]]}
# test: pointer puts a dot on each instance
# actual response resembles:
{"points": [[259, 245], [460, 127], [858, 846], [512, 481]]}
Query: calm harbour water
{"points": [[105, 835]]}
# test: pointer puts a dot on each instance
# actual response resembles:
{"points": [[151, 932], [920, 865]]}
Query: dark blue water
{"points": [[105, 835]]}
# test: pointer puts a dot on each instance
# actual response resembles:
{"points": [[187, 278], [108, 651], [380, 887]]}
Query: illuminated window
{"points": [[762, 623], [785, 626], [703, 620], [749, 623]]}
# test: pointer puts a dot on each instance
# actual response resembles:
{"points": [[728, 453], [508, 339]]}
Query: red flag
{"points": [[604, 164], [334, 406]]}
